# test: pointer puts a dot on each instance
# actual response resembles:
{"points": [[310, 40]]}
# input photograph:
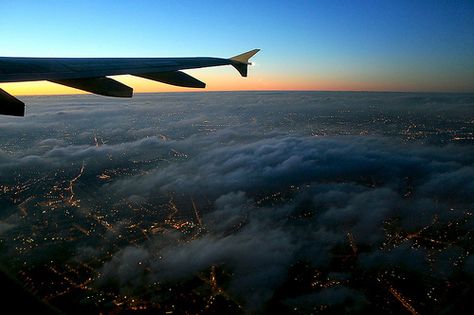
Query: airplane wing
{"points": [[91, 74]]}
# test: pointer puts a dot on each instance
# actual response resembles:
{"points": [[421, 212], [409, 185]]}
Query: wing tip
{"points": [[241, 62], [244, 57]]}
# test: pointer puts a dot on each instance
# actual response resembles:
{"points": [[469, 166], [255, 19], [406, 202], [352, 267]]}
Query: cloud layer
{"points": [[348, 185]]}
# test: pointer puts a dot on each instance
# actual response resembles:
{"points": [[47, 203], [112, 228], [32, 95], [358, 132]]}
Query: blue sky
{"points": [[354, 45]]}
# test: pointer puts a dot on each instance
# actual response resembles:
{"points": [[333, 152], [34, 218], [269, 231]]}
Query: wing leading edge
{"points": [[90, 74]]}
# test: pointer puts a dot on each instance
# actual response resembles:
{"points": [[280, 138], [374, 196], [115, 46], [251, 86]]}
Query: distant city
{"points": [[240, 202]]}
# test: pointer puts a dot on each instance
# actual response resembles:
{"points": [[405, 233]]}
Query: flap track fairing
{"points": [[102, 86], [177, 78], [10, 105]]}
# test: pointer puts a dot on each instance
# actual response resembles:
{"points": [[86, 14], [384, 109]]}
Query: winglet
{"points": [[241, 62]]}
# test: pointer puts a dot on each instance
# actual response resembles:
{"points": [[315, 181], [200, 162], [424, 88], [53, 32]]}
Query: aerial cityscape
{"points": [[241, 202]]}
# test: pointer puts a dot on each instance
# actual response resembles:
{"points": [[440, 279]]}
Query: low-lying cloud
{"points": [[350, 185]]}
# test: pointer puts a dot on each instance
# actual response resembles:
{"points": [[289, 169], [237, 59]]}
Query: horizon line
{"points": [[269, 90]]}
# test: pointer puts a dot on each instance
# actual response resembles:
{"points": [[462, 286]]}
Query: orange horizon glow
{"points": [[227, 80]]}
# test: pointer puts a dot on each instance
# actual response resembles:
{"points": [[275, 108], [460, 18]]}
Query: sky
{"points": [[306, 45]]}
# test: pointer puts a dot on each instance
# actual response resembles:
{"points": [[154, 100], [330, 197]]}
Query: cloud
{"points": [[4, 227], [10, 222], [258, 255], [403, 256], [469, 265], [330, 296], [277, 162], [351, 184], [127, 267]]}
